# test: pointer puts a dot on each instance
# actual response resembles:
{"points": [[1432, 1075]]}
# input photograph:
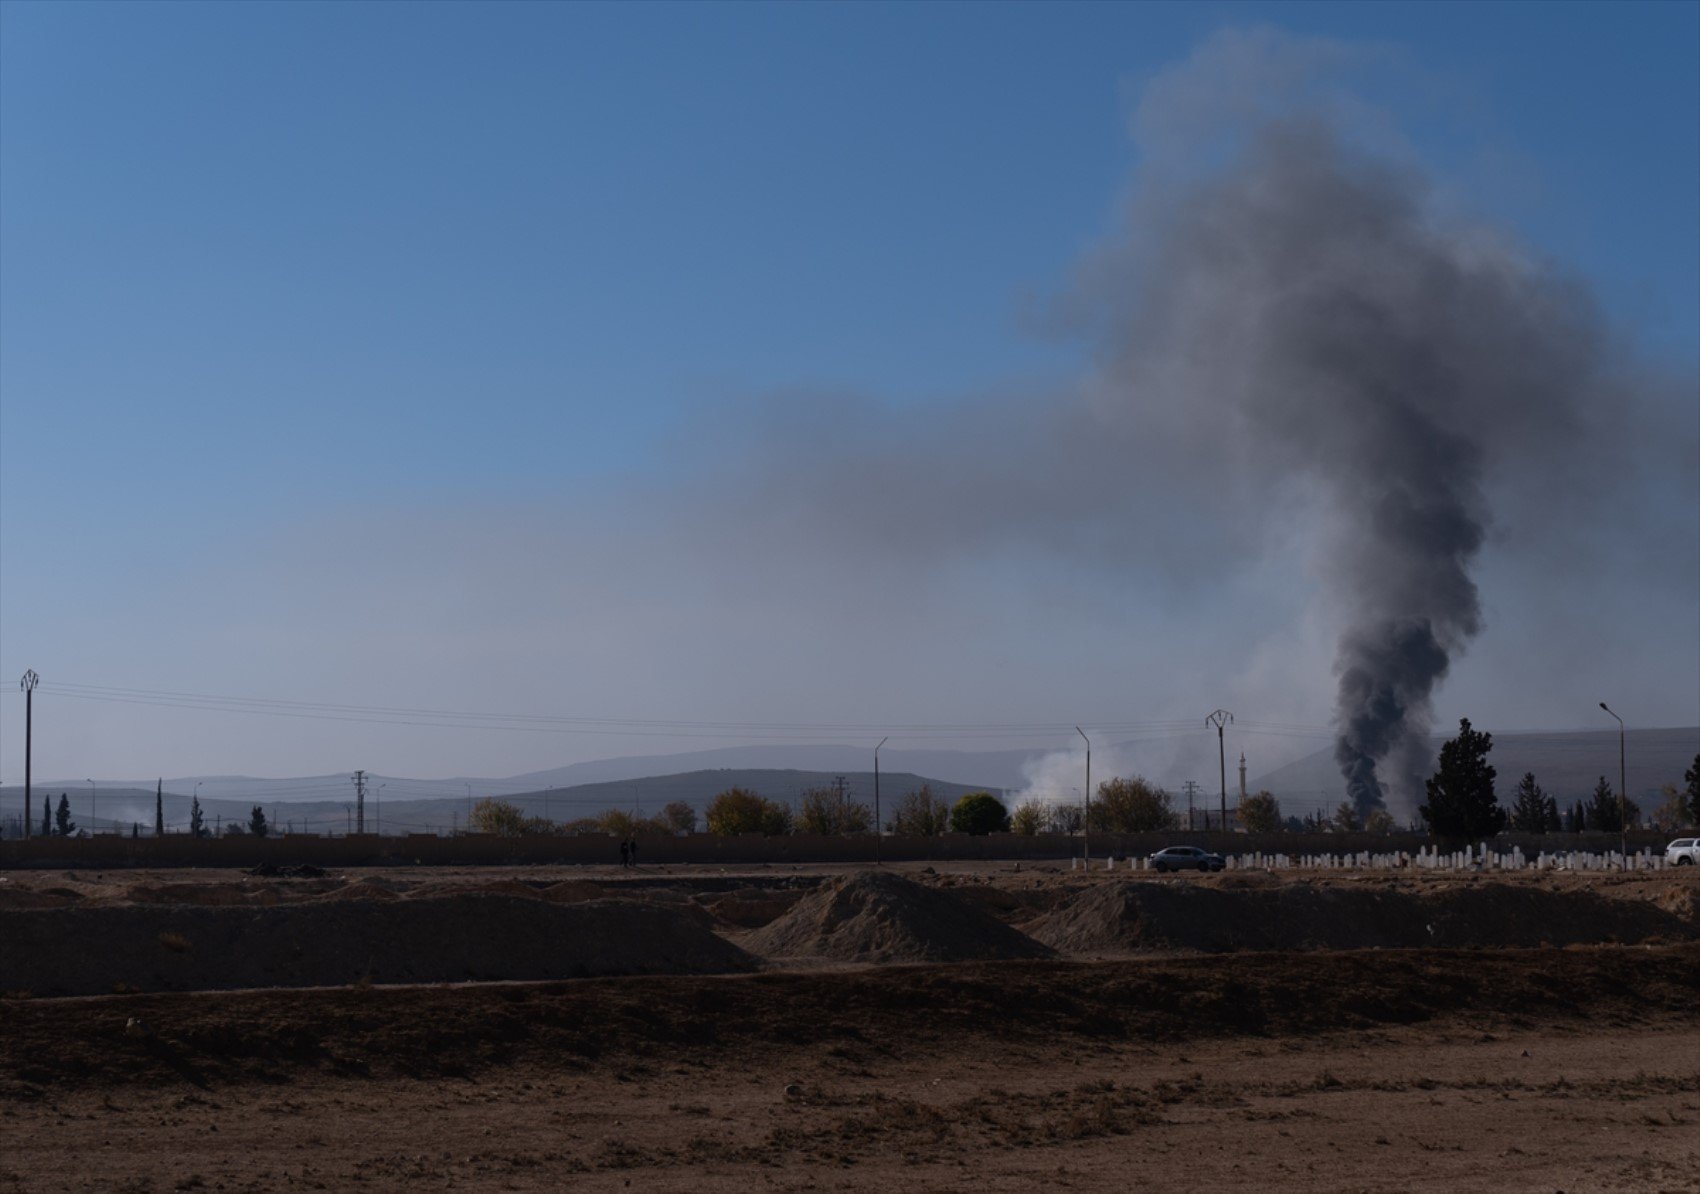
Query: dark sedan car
{"points": [[1183, 858]]}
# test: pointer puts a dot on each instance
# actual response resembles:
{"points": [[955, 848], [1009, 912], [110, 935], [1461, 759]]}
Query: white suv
{"points": [[1684, 851]]}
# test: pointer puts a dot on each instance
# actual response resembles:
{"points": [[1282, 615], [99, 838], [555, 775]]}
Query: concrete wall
{"points": [[112, 852]]}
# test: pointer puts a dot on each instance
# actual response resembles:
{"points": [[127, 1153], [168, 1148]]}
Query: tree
{"points": [[1030, 818], [829, 813], [1605, 814], [1067, 818], [1461, 804], [979, 813], [1380, 821], [62, 823], [1345, 818], [1529, 809], [1692, 778], [920, 814], [503, 819], [680, 817], [1576, 818], [159, 809], [1554, 821], [135, 830], [197, 823], [257, 822], [1673, 813], [1130, 806], [1260, 813], [47, 817], [739, 811]]}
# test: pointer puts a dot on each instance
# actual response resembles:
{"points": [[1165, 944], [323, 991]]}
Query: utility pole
{"points": [[1622, 797], [1086, 813], [883, 741], [360, 802], [28, 684], [1219, 719], [1191, 787]]}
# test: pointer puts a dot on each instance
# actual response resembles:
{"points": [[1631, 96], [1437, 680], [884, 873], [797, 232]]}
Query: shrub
{"points": [[502, 819], [979, 813]]}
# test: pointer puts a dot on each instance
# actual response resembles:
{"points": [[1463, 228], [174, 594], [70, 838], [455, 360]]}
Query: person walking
{"points": [[625, 857]]}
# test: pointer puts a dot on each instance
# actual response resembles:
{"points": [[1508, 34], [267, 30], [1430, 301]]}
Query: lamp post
{"points": [[877, 859], [1086, 813], [28, 684], [1622, 796]]}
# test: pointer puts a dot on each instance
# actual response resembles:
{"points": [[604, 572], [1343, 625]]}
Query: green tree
{"points": [[46, 816], [1461, 804], [739, 811], [159, 809], [62, 823], [1345, 818], [197, 822], [828, 812], [1529, 808], [1554, 821], [920, 814], [1130, 806], [1606, 814], [680, 817], [257, 822], [1260, 813], [1030, 818], [135, 830], [979, 813]]}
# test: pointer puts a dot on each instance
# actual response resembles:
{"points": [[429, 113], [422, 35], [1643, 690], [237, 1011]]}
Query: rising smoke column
{"points": [[1305, 320]]}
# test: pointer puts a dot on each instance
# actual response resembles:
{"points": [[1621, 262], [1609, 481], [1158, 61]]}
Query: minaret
{"points": [[1242, 775]]}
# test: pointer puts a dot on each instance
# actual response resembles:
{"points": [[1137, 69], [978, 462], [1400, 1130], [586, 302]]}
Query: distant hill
{"points": [[119, 808], [1566, 764]]}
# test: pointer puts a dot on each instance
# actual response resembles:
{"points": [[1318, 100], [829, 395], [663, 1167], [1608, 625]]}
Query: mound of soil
{"points": [[1120, 917], [879, 917], [142, 947], [363, 889], [751, 907]]}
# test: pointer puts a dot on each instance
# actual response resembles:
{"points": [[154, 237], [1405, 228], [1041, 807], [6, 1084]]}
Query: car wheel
{"points": [[1685, 862]]}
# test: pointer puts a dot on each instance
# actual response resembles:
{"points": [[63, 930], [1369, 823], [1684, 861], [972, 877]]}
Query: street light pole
{"points": [[1086, 813], [1622, 796], [877, 852]]}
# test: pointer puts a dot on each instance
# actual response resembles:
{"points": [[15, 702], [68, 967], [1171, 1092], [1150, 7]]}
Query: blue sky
{"points": [[286, 289]]}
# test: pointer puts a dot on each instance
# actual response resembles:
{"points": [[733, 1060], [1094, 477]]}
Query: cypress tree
{"points": [[159, 809]]}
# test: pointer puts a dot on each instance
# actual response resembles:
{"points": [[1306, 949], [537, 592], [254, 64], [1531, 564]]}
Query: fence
{"points": [[1284, 850]]}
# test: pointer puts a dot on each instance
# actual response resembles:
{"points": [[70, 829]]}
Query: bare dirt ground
{"points": [[1125, 1041]]}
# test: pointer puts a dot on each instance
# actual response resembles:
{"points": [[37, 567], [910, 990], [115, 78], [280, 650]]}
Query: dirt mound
{"points": [[507, 887], [573, 891], [873, 917], [751, 907], [29, 897], [205, 895], [1119, 917], [363, 889], [84, 951]]}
